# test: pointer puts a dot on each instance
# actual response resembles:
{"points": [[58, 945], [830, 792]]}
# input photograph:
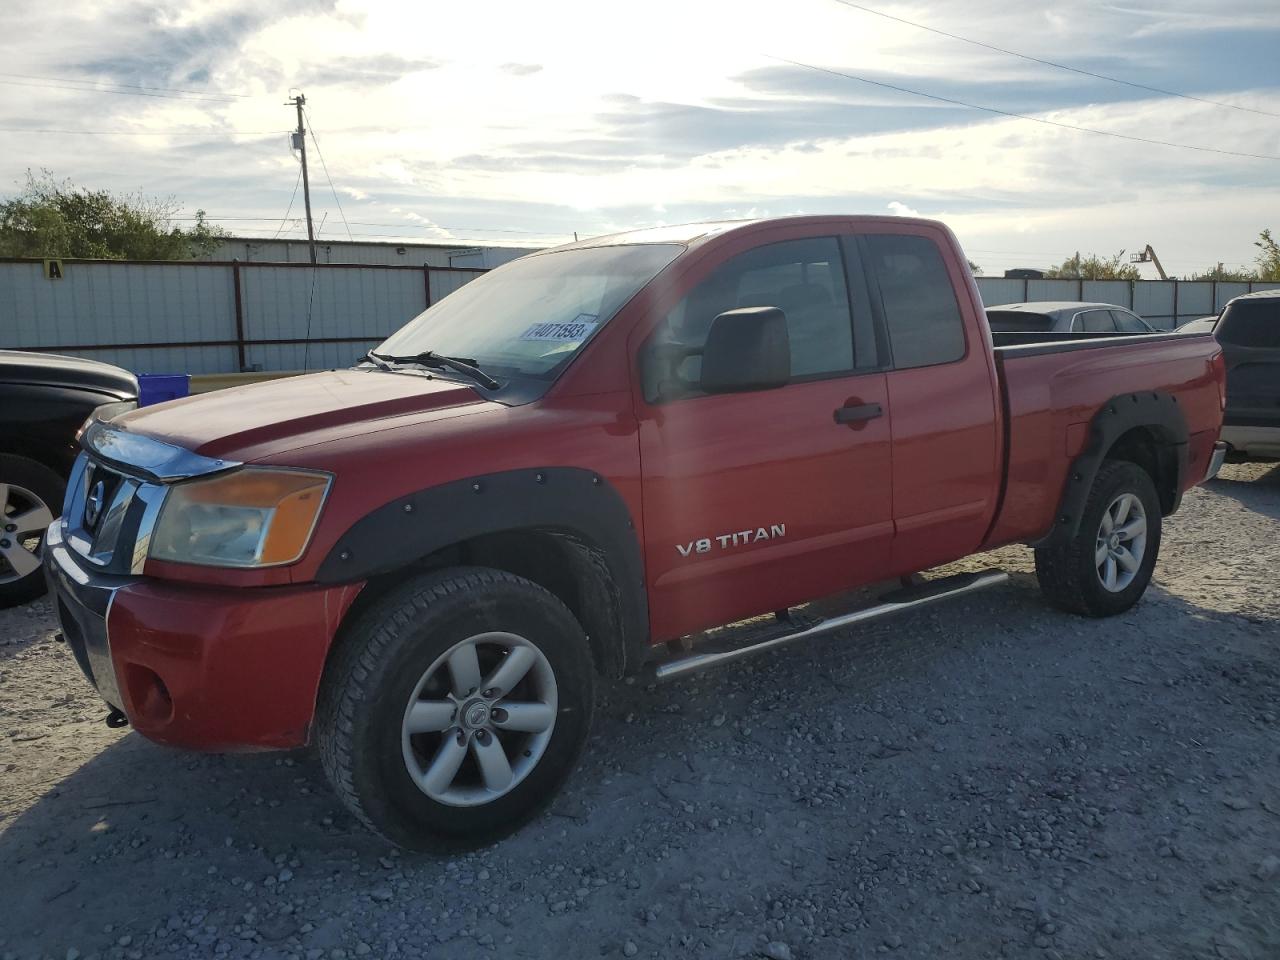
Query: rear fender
{"points": [[1156, 411]]}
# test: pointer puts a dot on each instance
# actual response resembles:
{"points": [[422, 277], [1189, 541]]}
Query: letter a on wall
{"points": [[53, 269]]}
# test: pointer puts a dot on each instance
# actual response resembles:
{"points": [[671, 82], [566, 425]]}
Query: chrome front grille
{"points": [[115, 492], [108, 516]]}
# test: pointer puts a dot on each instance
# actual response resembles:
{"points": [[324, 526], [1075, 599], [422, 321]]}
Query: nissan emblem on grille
{"points": [[93, 505]]}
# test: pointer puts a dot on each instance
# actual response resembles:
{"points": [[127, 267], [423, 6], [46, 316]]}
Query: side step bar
{"points": [[898, 601]]}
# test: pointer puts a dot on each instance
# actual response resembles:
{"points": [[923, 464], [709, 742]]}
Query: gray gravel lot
{"points": [[985, 779]]}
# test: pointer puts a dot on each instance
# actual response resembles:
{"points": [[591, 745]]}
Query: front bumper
{"points": [[1216, 461], [198, 667]]}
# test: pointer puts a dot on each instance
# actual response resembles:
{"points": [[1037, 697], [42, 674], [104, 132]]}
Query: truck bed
{"points": [[1052, 386]]}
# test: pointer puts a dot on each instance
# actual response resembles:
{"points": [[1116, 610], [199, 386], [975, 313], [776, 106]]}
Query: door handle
{"points": [[858, 413]]}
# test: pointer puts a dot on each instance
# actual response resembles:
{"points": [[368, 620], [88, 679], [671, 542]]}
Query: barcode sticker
{"points": [[579, 328]]}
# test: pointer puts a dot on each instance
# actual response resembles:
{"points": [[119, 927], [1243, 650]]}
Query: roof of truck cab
{"points": [[691, 233]]}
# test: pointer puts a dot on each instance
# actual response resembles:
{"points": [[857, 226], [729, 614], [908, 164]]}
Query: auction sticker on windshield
{"points": [[579, 328]]}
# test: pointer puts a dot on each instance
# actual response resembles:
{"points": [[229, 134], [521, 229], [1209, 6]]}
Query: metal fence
{"points": [[1164, 304], [166, 317]]}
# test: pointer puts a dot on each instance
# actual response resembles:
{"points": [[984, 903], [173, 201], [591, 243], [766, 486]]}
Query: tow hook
{"points": [[116, 719]]}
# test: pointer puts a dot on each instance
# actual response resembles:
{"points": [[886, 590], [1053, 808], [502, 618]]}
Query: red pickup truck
{"points": [[578, 463]]}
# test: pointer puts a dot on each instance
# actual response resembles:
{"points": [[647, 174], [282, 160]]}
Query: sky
{"points": [[523, 123]]}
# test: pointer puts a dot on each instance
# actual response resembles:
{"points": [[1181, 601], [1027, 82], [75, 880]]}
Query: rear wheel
{"points": [[455, 708], [1105, 568], [30, 499]]}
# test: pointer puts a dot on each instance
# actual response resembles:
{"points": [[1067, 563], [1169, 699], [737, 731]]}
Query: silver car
{"points": [[1065, 316]]}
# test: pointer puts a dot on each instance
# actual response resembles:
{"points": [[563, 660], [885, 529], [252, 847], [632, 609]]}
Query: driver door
{"points": [[761, 500]]}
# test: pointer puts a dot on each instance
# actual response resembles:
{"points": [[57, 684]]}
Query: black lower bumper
{"points": [[81, 600]]}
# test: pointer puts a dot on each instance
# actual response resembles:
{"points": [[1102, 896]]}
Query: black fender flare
{"points": [[569, 502], [1157, 411]]}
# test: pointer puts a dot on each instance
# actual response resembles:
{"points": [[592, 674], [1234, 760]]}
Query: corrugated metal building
{"points": [[265, 250]]}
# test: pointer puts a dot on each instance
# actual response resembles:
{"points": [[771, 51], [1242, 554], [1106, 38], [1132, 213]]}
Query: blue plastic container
{"points": [[159, 387]]}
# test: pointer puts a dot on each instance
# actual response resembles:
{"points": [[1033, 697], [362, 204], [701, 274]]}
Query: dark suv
{"points": [[1249, 332], [43, 401]]}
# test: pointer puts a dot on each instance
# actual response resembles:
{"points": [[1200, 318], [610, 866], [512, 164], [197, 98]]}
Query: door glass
{"points": [[1126, 322], [802, 278], [920, 307]]}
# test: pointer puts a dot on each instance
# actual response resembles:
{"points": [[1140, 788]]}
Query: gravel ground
{"points": [[985, 779]]}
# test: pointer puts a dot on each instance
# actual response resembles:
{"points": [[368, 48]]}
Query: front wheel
{"points": [[455, 708], [30, 498], [1105, 568]]}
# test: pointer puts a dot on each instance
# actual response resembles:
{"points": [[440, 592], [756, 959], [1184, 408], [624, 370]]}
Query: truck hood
{"points": [[76, 373], [261, 419]]}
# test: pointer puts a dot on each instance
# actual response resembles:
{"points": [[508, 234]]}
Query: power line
{"points": [[325, 168], [146, 133], [126, 93], [1023, 116], [133, 86], [1052, 63], [289, 209]]}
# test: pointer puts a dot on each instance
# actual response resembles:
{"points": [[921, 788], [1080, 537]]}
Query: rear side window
{"points": [[920, 307], [1251, 323], [1095, 321]]}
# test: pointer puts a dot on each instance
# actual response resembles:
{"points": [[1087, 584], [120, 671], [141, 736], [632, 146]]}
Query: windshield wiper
{"points": [[428, 358], [377, 361]]}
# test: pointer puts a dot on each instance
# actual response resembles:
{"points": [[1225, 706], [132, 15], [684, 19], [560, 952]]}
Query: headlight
{"points": [[254, 517]]}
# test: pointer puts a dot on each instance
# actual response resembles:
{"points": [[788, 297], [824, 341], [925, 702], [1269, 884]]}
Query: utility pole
{"points": [[300, 144]]}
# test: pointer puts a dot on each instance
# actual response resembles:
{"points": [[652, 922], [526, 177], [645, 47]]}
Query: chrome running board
{"points": [[898, 601]]}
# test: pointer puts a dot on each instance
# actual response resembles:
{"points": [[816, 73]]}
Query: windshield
{"points": [[1016, 321], [530, 317]]}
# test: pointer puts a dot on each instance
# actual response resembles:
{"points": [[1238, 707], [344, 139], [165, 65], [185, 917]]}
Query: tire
{"points": [[30, 499], [1071, 574], [393, 660]]}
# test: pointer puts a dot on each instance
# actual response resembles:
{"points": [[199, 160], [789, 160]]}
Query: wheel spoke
{"points": [[428, 716], [1127, 560], [1109, 577], [1134, 528], [444, 765], [464, 667], [36, 519], [511, 671], [1122, 510], [495, 768], [21, 559], [1108, 523], [1100, 554], [4, 498], [526, 717]]}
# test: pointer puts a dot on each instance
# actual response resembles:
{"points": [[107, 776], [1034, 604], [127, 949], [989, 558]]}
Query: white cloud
{"points": [[900, 209], [434, 114]]}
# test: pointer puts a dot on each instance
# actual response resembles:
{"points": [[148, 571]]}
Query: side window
{"points": [[920, 306], [1126, 322], [1096, 321], [803, 278], [1251, 323]]}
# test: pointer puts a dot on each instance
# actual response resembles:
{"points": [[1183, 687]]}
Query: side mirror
{"points": [[747, 349]]}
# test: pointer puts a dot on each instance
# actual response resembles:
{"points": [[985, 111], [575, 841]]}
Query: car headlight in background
{"points": [[253, 517], [107, 411]]}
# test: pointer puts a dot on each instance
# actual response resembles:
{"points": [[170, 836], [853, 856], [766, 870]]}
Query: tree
{"points": [[1094, 267], [1219, 272], [1268, 258], [975, 269], [58, 219]]}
